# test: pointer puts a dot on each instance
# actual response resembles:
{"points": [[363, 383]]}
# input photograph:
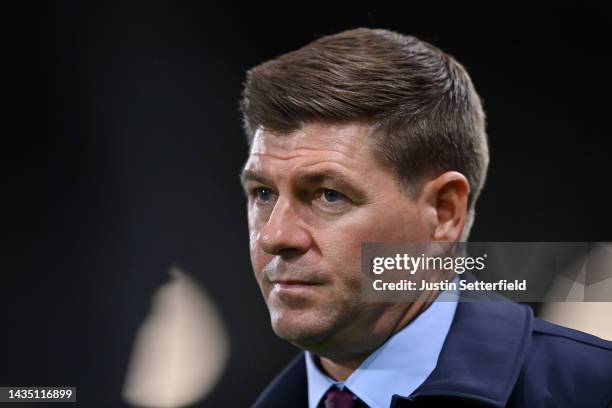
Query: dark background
{"points": [[122, 146]]}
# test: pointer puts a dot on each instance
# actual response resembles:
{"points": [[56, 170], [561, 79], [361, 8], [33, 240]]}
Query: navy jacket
{"points": [[496, 354]]}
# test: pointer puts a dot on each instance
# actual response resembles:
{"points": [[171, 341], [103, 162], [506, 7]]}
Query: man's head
{"points": [[366, 135]]}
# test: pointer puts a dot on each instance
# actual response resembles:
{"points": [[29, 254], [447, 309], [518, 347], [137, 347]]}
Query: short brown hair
{"points": [[426, 114]]}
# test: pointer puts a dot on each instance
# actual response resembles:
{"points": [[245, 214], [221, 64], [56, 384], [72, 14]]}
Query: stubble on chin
{"points": [[306, 329]]}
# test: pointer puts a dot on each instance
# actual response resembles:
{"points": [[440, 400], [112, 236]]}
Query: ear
{"points": [[447, 196]]}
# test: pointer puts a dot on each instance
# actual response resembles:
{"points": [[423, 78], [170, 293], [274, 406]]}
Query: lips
{"points": [[291, 282], [294, 286]]}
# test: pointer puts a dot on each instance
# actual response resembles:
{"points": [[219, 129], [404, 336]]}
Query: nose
{"points": [[284, 233]]}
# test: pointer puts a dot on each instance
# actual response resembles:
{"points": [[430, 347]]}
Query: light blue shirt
{"points": [[399, 366]]}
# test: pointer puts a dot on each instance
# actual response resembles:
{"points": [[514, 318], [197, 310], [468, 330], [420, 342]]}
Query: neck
{"points": [[340, 368]]}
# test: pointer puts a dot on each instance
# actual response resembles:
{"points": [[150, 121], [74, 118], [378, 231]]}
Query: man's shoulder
{"points": [[565, 366], [579, 353], [507, 357], [564, 336]]}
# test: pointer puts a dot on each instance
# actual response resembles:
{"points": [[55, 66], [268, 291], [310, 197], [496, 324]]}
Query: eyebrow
{"points": [[311, 177], [248, 175], [320, 176]]}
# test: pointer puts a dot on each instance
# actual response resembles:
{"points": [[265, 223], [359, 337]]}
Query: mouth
{"points": [[292, 284]]}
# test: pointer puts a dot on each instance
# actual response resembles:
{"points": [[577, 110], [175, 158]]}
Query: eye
{"points": [[332, 196], [262, 194], [331, 201], [329, 197]]}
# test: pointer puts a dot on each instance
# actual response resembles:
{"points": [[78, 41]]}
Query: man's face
{"points": [[313, 197]]}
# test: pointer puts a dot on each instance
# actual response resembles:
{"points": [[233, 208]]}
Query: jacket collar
{"points": [[483, 353]]}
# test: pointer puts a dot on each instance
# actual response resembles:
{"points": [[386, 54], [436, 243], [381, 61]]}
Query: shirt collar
{"points": [[399, 366]]}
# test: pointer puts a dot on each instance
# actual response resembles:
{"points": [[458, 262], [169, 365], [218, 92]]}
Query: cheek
{"points": [[259, 258], [341, 253], [252, 245], [394, 224], [386, 225]]}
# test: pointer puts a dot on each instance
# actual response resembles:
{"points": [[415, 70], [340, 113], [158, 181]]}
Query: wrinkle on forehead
{"points": [[348, 140]]}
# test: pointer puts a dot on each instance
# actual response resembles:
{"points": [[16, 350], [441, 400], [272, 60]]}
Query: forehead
{"points": [[348, 145]]}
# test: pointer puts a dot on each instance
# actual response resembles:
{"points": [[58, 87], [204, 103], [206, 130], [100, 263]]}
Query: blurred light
{"points": [[589, 317], [181, 349]]}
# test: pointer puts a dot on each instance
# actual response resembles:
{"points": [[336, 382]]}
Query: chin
{"points": [[303, 329]]}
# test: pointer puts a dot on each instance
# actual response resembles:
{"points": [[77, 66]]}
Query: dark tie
{"points": [[334, 398]]}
